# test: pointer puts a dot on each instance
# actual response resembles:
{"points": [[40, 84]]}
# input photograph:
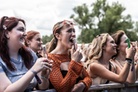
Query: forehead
{"points": [[20, 24], [37, 36], [68, 28], [124, 37], [109, 38]]}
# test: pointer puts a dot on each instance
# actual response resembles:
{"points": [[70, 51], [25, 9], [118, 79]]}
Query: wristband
{"points": [[129, 60], [37, 78], [44, 78], [34, 72]]}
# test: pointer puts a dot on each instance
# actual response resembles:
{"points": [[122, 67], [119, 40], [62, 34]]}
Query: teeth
{"points": [[73, 40]]}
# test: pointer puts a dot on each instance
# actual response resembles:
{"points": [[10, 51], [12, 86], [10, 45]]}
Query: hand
{"points": [[76, 55], [136, 57], [130, 52], [78, 87], [42, 63]]}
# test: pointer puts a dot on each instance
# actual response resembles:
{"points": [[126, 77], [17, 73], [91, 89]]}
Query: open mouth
{"points": [[72, 40], [23, 37]]}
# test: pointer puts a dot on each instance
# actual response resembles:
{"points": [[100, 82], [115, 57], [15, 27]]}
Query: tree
{"points": [[101, 17], [46, 38]]}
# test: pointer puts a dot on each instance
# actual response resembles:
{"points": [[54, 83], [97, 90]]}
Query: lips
{"points": [[72, 40]]}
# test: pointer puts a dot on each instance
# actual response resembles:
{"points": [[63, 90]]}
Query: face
{"points": [[66, 37], [123, 44], [36, 43], [16, 35], [110, 46]]}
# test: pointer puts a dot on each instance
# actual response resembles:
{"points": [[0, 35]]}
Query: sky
{"points": [[41, 15]]}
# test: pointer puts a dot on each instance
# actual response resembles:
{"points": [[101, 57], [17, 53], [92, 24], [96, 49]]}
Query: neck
{"points": [[60, 50], [120, 57], [105, 59], [13, 53]]}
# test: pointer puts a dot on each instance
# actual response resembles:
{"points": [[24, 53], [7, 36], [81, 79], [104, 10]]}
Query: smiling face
{"points": [[16, 35], [110, 46]]}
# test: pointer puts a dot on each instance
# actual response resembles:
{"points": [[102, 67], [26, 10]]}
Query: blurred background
{"points": [[92, 16]]}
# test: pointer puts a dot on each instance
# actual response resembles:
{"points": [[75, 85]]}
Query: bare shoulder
{"points": [[95, 66]]}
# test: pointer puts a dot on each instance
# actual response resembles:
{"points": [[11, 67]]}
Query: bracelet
{"points": [[34, 72], [129, 60], [44, 78]]}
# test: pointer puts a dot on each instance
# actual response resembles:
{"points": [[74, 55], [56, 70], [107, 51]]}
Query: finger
{"points": [[75, 46], [46, 64], [72, 50], [48, 60]]}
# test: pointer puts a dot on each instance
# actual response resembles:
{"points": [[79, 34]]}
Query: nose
{"points": [[73, 34], [41, 42], [115, 45], [24, 33]]}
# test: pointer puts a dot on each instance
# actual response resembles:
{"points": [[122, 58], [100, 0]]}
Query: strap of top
{"points": [[110, 68]]}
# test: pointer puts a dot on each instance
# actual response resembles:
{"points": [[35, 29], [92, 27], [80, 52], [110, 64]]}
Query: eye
{"points": [[21, 29], [71, 30], [38, 39]]}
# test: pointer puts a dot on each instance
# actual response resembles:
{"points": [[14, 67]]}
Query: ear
{"points": [[28, 42], [58, 36], [104, 47], [7, 34]]}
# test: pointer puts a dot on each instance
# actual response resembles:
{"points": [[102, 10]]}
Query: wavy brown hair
{"points": [[7, 24], [117, 37]]}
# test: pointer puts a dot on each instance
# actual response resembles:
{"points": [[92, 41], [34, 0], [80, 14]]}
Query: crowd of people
{"points": [[61, 65]]}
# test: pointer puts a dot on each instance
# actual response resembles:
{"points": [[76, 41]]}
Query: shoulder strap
{"points": [[110, 68]]}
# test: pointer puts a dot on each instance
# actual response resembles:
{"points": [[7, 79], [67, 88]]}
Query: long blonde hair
{"points": [[95, 50]]}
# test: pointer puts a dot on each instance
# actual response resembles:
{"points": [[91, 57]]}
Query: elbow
{"points": [[122, 80], [130, 81]]}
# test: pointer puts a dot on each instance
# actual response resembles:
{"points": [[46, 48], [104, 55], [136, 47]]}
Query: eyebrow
{"points": [[22, 28]]}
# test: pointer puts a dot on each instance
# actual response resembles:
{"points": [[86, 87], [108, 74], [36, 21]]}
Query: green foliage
{"points": [[46, 38], [101, 17]]}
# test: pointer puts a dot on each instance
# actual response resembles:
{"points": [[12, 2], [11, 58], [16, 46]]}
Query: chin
{"points": [[21, 44]]}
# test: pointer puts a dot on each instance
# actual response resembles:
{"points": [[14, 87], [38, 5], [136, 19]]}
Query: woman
{"points": [[100, 69], [68, 74], [122, 40], [33, 40], [17, 63]]}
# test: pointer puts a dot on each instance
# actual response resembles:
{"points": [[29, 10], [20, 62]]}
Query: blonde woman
{"points": [[100, 69]]}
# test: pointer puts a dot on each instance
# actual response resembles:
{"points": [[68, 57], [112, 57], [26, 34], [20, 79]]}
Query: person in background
{"points": [[68, 74], [33, 40], [19, 66], [100, 69], [119, 59]]}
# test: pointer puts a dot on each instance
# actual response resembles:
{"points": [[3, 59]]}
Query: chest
{"points": [[64, 66]]}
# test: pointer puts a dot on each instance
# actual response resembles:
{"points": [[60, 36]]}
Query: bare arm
{"points": [[21, 84], [101, 71]]}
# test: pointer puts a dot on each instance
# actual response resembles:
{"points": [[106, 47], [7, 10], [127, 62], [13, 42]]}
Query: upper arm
{"points": [[4, 81], [101, 71]]}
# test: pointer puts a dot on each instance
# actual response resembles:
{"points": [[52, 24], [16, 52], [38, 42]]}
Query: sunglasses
{"points": [[62, 24]]}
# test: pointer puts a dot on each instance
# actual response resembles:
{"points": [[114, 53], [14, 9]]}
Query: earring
{"points": [[7, 37]]}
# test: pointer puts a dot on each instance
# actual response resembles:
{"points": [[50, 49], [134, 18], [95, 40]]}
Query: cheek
{"points": [[123, 46]]}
